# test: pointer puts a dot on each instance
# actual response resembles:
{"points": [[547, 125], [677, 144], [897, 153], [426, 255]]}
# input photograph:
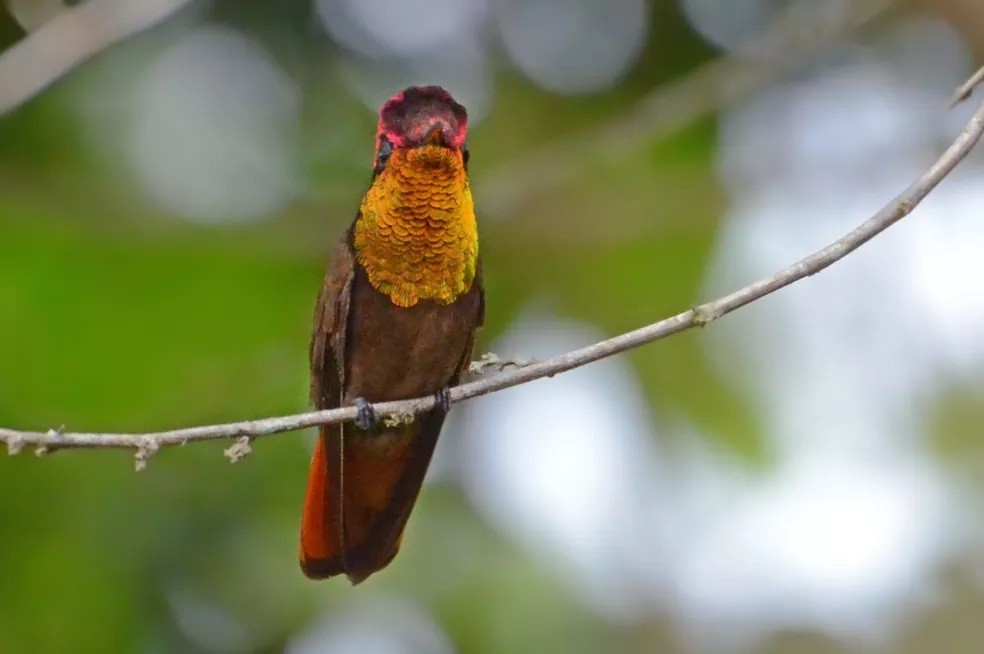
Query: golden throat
{"points": [[416, 235]]}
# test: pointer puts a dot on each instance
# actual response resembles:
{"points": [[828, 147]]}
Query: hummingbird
{"points": [[396, 318]]}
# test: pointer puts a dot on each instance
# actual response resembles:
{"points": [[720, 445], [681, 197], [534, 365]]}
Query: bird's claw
{"points": [[366, 417], [442, 400]]}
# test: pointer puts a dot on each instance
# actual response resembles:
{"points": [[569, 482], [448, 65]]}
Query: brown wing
{"points": [[322, 552], [327, 349], [385, 470]]}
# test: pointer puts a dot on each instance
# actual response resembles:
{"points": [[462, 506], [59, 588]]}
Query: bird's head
{"points": [[421, 126]]}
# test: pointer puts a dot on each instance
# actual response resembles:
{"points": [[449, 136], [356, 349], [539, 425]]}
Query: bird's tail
{"points": [[361, 489]]}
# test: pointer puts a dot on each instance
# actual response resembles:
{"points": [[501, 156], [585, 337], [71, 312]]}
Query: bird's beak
{"points": [[435, 135]]}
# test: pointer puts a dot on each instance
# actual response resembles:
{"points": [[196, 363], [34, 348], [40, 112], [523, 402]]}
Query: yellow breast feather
{"points": [[416, 235]]}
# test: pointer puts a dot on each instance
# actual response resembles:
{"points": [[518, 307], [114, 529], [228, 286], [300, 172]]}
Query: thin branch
{"points": [[964, 90], [147, 444], [492, 361], [70, 39]]}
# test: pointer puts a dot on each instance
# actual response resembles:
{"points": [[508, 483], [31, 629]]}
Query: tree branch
{"points": [[964, 90], [71, 38], [146, 444]]}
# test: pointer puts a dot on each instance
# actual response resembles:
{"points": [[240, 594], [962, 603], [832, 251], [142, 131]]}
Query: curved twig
{"points": [[146, 444]]}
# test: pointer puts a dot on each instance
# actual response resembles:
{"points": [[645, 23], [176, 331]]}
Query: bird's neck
{"points": [[416, 235]]}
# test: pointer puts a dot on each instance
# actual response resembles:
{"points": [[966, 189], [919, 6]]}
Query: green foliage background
{"points": [[114, 316]]}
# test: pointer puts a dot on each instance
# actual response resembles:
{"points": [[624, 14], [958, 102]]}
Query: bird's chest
{"points": [[395, 352], [418, 240]]}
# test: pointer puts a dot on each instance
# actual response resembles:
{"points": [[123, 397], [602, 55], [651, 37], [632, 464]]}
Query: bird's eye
{"points": [[465, 154], [385, 150]]}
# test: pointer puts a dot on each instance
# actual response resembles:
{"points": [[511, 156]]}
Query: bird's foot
{"points": [[442, 400], [366, 418]]}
